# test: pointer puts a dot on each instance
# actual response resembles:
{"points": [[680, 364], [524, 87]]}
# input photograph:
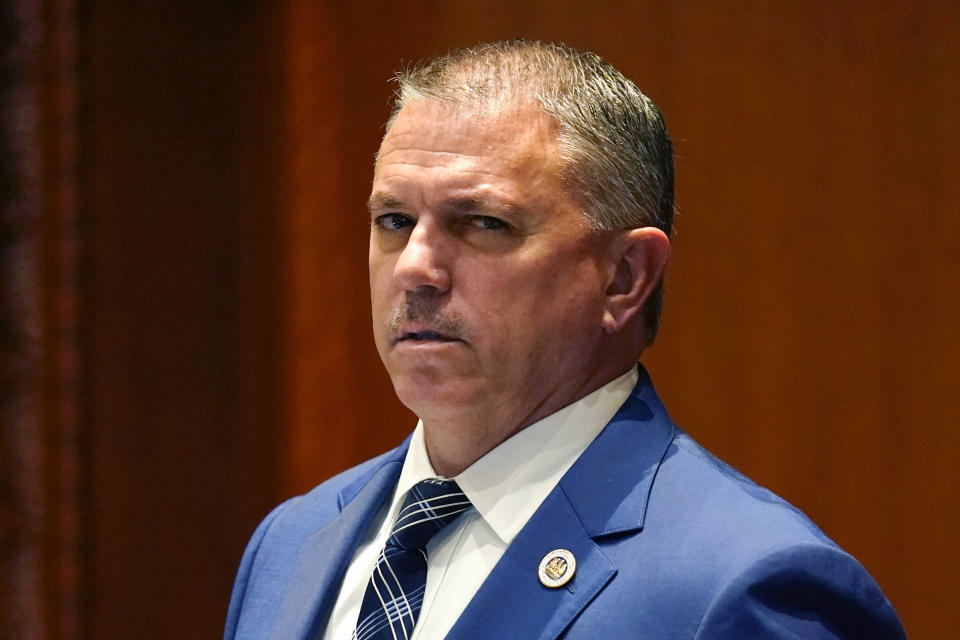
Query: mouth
{"points": [[424, 336]]}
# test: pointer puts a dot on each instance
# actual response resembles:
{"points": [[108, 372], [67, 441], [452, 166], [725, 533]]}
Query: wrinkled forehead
{"points": [[478, 128]]}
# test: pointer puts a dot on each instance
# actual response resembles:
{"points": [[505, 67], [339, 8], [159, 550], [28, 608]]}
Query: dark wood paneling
{"points": [[40, 437], [330, 373], [180, 471]]}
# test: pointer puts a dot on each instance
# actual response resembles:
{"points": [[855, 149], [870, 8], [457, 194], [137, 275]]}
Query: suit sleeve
{"points": [[807, 592]]}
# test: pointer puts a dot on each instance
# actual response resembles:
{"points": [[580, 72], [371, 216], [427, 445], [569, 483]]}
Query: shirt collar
{"points": [[507, 485]]}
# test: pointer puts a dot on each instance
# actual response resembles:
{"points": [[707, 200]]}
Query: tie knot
{"points": [[430, 505]]}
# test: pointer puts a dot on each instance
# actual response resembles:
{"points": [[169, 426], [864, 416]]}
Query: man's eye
{"points": [[488, 223], [392, 221]]}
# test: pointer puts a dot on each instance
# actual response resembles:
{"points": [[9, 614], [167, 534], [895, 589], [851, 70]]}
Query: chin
{"points": [[426, 391]]}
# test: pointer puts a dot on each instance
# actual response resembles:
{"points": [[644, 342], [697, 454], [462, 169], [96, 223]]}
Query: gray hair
{"points": [[613, 142]]}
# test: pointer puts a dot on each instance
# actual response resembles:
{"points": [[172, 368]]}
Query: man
{"points": [[521, 205]]}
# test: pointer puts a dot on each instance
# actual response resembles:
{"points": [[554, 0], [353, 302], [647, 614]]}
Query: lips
{"points": [[425, 336]]}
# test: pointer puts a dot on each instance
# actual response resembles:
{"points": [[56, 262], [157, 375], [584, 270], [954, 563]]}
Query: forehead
{"points": [[429, 133]]}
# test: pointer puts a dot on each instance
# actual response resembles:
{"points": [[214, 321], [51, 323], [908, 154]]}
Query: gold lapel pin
{"points": [[557, 568]]}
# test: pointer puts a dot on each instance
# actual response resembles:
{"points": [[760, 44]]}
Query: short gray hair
{"points": [[614, 145]]}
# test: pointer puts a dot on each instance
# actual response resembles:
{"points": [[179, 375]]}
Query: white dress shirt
{"points": [[505, 487]]}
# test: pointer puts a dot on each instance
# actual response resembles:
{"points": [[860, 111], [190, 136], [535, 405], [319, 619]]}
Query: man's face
{"points": [[486, 282]]}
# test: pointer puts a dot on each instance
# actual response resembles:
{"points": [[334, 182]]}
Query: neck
{"points": [[457, 439], [450, 455]]}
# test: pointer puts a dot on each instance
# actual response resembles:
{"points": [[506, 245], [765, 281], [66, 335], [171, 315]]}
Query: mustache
{"points": [[425, 307]]}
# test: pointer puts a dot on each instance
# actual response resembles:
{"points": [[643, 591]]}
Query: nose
{"points": [[423, 262]]}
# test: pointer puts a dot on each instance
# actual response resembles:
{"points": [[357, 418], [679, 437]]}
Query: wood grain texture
{"points": [[41, 465], [177, 464]]}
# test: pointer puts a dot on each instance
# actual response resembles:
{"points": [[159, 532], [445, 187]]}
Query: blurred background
{"points": [[184, 314]]}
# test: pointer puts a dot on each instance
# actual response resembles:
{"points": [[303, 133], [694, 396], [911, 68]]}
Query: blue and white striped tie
{"points": [[394, 595]]}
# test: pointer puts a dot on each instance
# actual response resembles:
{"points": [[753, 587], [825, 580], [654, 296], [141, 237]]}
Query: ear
{"points": [[638, 259]]}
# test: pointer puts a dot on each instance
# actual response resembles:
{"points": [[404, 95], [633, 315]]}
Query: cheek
{"points": [[563, 286], [381, 299], [533, 309], [564, 306], [380, 270]]}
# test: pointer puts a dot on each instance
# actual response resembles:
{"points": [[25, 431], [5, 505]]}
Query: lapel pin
{"points": [[557, 568]]}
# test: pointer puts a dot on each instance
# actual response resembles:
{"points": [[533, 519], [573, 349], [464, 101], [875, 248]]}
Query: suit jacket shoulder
{"points": [[672, 543], [300, 550], [741, 562]]}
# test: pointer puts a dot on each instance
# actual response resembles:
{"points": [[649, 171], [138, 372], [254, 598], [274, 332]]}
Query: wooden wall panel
{"points": [[41, 415], [179, 472], [329, 372]]}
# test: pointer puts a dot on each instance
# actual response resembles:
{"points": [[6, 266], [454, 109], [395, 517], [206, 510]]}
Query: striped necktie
{"points": [[394, 594]]}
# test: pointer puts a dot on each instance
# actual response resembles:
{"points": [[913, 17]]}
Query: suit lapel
{"points": [[609, 485], [324, 556], [604, 493], [513, 604]]}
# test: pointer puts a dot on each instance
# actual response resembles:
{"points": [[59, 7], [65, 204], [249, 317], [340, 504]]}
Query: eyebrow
{"points": [[381, 201], [493, 206]]}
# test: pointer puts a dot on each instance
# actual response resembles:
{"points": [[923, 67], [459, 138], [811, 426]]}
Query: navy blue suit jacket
{"points": [[669, 542]]}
